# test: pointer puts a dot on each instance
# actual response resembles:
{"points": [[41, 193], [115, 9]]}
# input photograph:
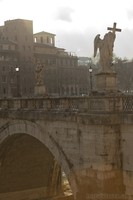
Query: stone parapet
{"points": [[91, 104]]}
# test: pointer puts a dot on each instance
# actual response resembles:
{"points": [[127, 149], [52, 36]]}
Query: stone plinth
{"points": [[106, 81], [40, 90]]}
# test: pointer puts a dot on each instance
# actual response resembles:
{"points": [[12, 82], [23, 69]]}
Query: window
{"points": [[24, 47], [35, 39], [4, 90], [4, 78], [1, 58], [15, 38], [3, 68], [41, 39], [5, 47], [51, 40], [47, 39], [26, 38]]}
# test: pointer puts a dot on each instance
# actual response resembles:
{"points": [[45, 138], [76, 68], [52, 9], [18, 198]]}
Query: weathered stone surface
{"points": [[94, 149], [106, 81], [40, 90]]}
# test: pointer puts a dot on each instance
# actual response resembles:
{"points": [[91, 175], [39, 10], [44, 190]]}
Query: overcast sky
{"points": [[76, 22]]}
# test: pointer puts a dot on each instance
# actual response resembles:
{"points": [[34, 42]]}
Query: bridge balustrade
{"points": [[73, 104], [127, 102]]}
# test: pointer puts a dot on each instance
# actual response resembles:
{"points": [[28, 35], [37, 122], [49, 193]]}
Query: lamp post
{"points": [[90, 72], [17, 81]]}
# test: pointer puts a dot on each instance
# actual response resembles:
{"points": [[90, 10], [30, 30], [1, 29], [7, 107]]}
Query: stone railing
{"points": [[73, 104]]}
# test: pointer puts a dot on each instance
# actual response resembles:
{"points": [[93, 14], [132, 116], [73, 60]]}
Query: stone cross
{"points": [[114, 29]]}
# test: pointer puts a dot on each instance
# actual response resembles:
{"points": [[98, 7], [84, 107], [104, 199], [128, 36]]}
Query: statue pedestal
{"points": [[106, 81], [40, 90]]}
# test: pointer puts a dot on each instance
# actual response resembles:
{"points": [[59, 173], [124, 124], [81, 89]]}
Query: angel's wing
{"points": [[96, 44]]}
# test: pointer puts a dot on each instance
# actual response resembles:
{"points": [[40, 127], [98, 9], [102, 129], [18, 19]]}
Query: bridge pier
{"points": [[99, 185], [100, 172]]}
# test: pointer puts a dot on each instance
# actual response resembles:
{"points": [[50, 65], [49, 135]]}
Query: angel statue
{"points": [[39, 73], [105, 47]]}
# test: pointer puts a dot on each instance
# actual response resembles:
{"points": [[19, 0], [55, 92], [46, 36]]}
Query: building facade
{"points": [[20, 50]]}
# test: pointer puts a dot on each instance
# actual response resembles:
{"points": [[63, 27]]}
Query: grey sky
{"points": [[76, 23], [64, 14]]}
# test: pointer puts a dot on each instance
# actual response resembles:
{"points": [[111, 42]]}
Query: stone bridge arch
{"points": [[16, 128], [35, 130]]}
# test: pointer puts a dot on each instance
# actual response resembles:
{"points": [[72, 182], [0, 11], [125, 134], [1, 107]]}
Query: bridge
{"points": [[88, 138]]}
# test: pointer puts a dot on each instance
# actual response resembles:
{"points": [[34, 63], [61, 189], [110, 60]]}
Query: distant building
{"points": [[124, 72], [20, 50]]}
